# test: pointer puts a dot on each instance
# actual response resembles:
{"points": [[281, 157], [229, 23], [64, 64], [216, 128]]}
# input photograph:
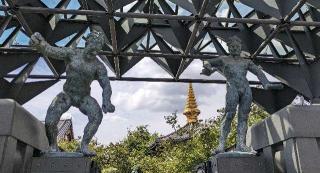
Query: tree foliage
{"points": [[135, 154], [172, 120]]}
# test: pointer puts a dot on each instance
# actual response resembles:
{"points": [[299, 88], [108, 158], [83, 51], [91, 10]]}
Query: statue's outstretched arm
{"points": [[210, 66], [215, 62], [102, 76], [257, 70], [46, 49]]}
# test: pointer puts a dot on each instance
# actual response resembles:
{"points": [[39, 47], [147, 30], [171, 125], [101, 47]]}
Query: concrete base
{"points": [[63, 165], [21, 136], [289, 140], [235, 163]]}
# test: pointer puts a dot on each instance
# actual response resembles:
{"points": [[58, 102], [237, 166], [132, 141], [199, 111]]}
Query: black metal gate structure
{"points": [[280, 35]]}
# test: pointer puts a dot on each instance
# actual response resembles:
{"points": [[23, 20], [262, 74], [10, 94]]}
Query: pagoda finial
{"points": [[191, 110]]}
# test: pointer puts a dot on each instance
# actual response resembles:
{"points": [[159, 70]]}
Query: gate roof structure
{"points": [[280, 35]]}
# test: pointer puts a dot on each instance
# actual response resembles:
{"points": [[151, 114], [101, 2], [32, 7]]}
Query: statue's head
{"points": [[95, 41], [234, 45]]}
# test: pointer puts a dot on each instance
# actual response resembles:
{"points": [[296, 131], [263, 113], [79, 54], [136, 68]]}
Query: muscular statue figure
{"points": [[234, 68], [82, 67]]}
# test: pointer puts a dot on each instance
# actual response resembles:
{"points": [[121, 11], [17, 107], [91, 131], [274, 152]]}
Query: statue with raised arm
{"points": [[82, 67], [235, 68]]}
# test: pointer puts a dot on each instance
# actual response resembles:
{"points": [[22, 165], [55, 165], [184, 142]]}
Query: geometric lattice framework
{"points": [[280, 35]]}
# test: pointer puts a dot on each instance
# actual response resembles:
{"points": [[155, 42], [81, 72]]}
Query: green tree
{"points": [[172, 120], [134, 152]]}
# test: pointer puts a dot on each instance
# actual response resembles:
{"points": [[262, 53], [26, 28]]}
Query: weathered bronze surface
{"points": [[235, 68], [82, 68]]}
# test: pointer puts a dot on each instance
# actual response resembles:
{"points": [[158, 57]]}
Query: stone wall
{"points": [[289, 140], [21, 137]]}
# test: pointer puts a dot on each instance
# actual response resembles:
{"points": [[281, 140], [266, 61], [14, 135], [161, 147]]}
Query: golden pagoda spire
{"points": [[191, 110]]}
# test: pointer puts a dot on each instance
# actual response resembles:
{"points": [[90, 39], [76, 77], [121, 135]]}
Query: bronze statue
{"points": [[82, 67], [235, 68]]}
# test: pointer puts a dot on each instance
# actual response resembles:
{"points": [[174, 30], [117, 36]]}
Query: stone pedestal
{"points": [[63, 165], [21, 136], [289, 140], [237, 163]]}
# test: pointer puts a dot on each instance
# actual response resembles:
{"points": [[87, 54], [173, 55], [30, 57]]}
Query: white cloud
{"points": [[114, 118]]}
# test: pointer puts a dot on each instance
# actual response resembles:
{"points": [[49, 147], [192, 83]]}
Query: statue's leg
{"points": [[230, 111], [59, 105], [90, 107], [244, 110]]}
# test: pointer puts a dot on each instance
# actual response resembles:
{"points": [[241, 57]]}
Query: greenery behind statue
{"points": [[133, 153]]}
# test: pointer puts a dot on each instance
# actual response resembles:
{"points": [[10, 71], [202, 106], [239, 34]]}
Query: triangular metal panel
{"points": [[102, 3], [58, 65], [286, 6], [13, 23], [170, 65], [315, 3], [163, 64], [177, 34], [169, 36], [109, 61], [273, 100], [301, 38], [12, 61], [314, 14], [64, 29], [188, 5], [275, 8], [37, 23], [269, 7], [289, 74], [135, 34], [250, 40], [32, 89], [117, 4], [126, 63]]}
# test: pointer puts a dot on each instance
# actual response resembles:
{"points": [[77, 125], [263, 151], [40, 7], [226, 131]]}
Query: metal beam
{"points": [[4, 24], [191, 39], [113, 38], [20, 17], [285, 23], [301, 58], [309, 34], [134, 79], [9, 39], [266, 58], [19, 80], [26, 9]]}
